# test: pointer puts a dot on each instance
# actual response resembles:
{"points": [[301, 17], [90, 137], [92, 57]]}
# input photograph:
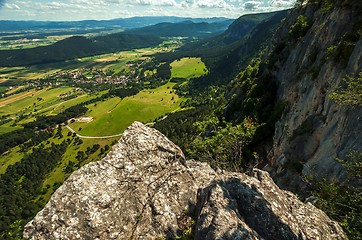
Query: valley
{"points": [[267, 91], [115, 89]]}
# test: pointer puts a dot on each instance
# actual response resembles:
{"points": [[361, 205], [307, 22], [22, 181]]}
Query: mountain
{"points": [[183, 29], [144, 188], [119, 23], [76, 47], [307, 64], [298, 82], [225, 54]]}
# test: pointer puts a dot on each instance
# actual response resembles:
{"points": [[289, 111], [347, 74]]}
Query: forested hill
{"points": [[293, 110], [227, 52], [76, 47], [183, 29]]}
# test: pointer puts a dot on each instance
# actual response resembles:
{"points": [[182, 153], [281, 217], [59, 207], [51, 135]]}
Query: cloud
{"points": [[151, 2], [282, 3], [10, 6], [252, 5], [2, 3]]}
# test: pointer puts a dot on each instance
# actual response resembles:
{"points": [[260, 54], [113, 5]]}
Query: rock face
{"points": [[145, 189], [315, 131]]}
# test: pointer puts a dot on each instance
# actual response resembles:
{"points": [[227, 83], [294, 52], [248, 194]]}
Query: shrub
{"points": [[299, 28]]}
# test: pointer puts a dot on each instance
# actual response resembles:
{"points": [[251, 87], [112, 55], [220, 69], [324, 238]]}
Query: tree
{"points": [[350, 93], [223, 146], [300, 28]]}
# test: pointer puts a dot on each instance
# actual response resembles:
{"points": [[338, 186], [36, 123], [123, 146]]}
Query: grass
{"points": [[6, 128], [3, 89], [188, 68], [115, 115], [37, 102], [27, 102], [11, 157]]}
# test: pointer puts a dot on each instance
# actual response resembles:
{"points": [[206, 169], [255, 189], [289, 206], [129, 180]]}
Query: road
{"points": [[90, 137]]}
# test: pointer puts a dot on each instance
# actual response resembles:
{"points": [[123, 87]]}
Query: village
{"points": [[83, 80]]}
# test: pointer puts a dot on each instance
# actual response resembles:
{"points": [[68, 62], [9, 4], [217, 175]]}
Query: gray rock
{"points": [[145, 189]]}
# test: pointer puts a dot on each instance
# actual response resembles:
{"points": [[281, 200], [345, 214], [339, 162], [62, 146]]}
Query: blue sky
{"points": [[109, 9]]}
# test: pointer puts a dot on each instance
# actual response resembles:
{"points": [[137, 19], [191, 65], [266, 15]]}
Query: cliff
{"points": [[145, 189], [309, 61]]}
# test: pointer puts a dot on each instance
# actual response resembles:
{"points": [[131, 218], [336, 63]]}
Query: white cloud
{"points": [[211, 3], [11, 6], [150, 2], [282, 3], [252, 5]]}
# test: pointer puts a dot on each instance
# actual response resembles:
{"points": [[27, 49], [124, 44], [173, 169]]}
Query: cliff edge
{"points": [[145, 189]]}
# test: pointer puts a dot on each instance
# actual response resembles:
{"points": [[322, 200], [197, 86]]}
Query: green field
{"points": [[113, 116], [3, 89], [45, 101], [188, 68], [8, 128], [10, 158]]}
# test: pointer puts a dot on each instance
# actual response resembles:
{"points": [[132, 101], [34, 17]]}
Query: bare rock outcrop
{"points": [[145, 189]]}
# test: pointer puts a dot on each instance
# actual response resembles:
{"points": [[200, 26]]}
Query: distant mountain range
{"points": [[119, 23], [184, 29]]}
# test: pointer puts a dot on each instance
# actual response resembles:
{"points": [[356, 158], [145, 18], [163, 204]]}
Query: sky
{"points": [[66, 10]]}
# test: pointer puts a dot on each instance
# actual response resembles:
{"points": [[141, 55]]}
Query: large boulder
{"points": [[145, 189]]}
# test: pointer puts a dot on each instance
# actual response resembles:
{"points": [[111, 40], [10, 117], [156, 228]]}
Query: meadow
{"points": [[114, 115], [188, 68]]}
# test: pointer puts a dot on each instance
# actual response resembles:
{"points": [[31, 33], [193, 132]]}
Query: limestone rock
{"points": [[144, 189]]}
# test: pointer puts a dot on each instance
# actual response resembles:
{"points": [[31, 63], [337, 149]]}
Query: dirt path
{"points": [[89, 137]]}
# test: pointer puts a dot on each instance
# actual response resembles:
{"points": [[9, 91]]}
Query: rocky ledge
{"points": [[145, 189]]}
